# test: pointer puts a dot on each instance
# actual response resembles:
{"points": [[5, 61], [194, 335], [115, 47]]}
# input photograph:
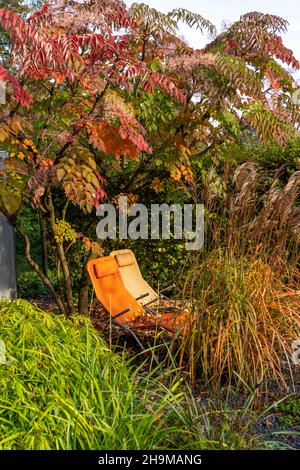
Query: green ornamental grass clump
{"points": [[62, 388]]}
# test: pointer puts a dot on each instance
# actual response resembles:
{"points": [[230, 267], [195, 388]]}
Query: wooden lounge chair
{"points": [[125, 310]]}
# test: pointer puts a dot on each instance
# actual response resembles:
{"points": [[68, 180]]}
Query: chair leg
{"points": [[129, 330]]}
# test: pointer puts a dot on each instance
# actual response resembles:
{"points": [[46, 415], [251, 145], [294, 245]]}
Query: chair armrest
{"points": [[142, 296], [121, 313]]}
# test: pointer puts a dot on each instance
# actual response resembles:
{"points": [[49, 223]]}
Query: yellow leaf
{"points": [[60, 174]]}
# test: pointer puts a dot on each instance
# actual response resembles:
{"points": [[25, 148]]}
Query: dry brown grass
{"points": [[246, 320], [248, 221]]}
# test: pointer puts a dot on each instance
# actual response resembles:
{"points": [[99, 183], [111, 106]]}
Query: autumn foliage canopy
{"points": [[76, 68], [94, 80]]}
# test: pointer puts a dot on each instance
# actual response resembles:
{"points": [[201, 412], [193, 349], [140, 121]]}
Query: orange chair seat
{"points": [[112, 294]]}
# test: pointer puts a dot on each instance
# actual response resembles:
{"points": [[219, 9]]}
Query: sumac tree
{"points": [[88, 82], [69, 79]]}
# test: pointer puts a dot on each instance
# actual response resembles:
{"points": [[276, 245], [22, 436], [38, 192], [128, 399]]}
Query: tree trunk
{"points": [[44, 250], [63, 260], [83, 301], [12, 220], [58, 300]]}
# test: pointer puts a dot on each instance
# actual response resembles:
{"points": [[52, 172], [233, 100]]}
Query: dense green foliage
{"points": [[289, 412], [61, 388]]}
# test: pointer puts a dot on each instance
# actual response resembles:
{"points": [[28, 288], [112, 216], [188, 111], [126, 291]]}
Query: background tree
{"points": [[237, 84], [96, 76], [71, 116]]}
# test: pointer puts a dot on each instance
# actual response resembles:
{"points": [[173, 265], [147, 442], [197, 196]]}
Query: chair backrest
{"points": [[110, 289], [132, 277]]}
